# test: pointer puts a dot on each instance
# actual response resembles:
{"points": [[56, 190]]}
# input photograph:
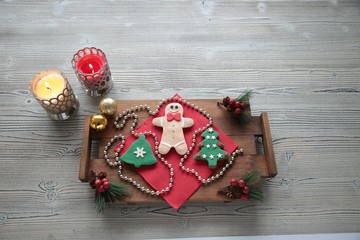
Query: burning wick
{"points": [[92, 68], [47, 85]]}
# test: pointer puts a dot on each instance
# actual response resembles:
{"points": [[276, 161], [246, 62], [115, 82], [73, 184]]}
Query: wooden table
{"points": [[302, 60]]}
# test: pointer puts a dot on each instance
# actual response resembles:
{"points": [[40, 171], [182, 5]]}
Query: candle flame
{"points": [[92, 68], [48, 86]]}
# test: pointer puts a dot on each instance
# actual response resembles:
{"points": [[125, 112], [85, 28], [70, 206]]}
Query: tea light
{"points": [[55, 95], [92, 70]]}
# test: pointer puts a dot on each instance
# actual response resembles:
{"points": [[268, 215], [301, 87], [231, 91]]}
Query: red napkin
{"points": [[157, 175]]}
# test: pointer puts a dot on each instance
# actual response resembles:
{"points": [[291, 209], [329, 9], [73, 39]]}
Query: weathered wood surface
{"points": [[301, 58]]}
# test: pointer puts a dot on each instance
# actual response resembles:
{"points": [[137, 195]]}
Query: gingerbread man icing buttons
{"points": [[173, 123]]}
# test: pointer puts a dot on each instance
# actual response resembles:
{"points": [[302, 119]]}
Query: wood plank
{"points": [[301, 59]]}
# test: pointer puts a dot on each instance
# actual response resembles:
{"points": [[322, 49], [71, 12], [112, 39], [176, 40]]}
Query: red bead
{"points": [[241, 183], [246, 190], [243, 105], [106, 185], [233, 182], [237, 111], [98, 182]]}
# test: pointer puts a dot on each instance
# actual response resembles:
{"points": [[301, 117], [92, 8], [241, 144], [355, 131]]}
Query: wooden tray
{"points": [[254, 138]]}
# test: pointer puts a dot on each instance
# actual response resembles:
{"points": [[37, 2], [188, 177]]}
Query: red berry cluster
{"points": [[233, 106], [100, 182], [239, 189]]}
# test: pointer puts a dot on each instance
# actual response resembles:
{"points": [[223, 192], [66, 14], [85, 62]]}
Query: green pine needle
{"points": [[244, 116], [114, 193], [245, 97]]}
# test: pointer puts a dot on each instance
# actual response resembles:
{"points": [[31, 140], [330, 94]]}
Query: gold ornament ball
{"points": [[98, 122], [108, 106]]}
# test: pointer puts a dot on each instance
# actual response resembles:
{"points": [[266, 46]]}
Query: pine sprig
{"points": [[107, 192], [245, 97], [239, 107], [247, 187]]}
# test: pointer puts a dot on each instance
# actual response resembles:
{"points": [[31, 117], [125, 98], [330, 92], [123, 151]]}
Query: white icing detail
{"points": [[179, 143], [166, 144], [139, 152], [162, 121]]}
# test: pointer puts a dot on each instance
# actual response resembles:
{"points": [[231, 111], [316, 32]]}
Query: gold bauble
{"points": [[98, 122], [108, 106]]}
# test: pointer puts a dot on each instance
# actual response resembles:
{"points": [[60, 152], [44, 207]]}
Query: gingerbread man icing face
{"points": [[173, 123]]}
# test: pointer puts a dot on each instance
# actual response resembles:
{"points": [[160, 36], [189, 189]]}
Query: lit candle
{"points": [[48, 85], [91, 67], [90, 64], [54, 94]]}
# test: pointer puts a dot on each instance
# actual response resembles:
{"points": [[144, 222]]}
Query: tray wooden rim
{"points": [[267, 146]]}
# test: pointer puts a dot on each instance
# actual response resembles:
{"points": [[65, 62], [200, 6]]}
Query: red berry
{"points": [[241, 183], [233, 182], [101, 189], [246, 189], [104, 180], [97, 182], [230, 108], [237, 111], [231, 101], [243, 105], [237, 104], [106, 185], [244, 197]]}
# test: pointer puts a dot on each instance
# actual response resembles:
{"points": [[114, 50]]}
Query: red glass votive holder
{"points": [[93, 71]]}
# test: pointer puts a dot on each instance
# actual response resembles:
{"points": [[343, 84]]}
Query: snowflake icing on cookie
{"points": [[139, 152]]}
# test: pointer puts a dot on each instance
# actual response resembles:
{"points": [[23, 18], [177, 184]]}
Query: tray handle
{"points": [[267, 143], [85, 151]]}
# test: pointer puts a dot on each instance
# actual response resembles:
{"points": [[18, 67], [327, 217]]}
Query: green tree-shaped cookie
{"points": [[211, 148], [139, 153]]}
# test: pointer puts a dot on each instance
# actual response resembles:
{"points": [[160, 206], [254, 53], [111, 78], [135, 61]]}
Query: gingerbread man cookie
{"points": [[173, 123]]}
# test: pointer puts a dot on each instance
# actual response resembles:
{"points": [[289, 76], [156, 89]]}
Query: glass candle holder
{"points": [[55, 95], [93, 71]]}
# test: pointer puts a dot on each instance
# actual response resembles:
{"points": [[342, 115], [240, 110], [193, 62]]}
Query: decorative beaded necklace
{"points": [[130, 113]]}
